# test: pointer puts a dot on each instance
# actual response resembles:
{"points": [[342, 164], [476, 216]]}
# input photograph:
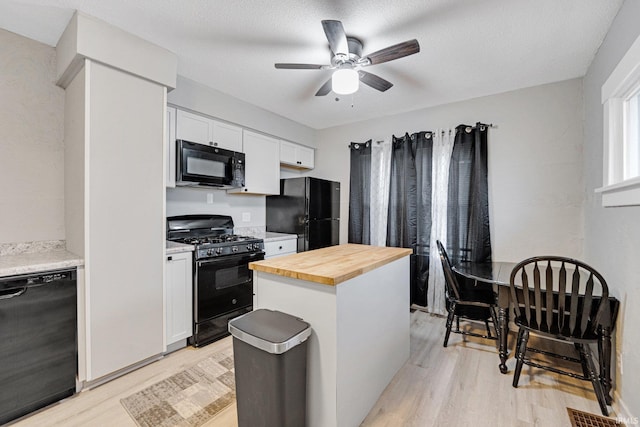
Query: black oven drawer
{"points": [[213, 329]]}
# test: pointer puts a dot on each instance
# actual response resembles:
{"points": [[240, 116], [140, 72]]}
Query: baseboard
{"points": [[419, 307], [87, 385], [622, 410]]}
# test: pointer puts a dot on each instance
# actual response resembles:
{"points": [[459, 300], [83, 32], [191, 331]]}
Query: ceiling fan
{"points": [[347, 61]]}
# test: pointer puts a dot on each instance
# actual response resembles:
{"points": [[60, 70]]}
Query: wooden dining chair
{"points": [[561, 299], [470, 301]]}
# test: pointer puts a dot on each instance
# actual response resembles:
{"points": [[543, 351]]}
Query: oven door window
{"points": [[223, 285]]}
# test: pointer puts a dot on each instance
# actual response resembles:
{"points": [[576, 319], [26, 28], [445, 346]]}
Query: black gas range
{"points": [[222, 281]]}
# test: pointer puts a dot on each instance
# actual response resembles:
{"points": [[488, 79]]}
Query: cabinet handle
{"points": [[280, 248], [169, 258]]}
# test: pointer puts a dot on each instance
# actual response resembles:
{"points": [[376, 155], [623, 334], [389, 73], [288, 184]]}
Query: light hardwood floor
{"points": [[455, 386]]}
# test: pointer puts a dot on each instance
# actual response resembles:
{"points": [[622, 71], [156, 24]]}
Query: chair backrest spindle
{"points": [[543, 296]]}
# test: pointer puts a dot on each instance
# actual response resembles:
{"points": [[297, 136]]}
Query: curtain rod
{"points": [[467, 129]]}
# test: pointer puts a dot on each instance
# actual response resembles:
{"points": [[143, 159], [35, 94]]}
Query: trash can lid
{"points": [[270, 330]]}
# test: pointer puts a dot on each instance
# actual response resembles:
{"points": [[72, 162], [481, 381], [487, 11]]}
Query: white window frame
{"points": [[622, 85]]}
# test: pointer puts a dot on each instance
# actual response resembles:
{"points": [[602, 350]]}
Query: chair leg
{"points": [[457, 323], [452, 310], [486, 325], [523, 338], [589, 371], [494, 319]]}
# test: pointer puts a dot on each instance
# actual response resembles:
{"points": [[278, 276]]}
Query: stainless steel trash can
{"points": [[270, 357]]}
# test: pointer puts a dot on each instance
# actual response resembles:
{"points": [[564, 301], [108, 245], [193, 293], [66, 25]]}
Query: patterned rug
{"points": [[189, 398]]}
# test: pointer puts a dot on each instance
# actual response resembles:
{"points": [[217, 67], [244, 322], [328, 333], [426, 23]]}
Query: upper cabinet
{"points": [[170, 173], [296, 155], [203, 130], [262, 158]]}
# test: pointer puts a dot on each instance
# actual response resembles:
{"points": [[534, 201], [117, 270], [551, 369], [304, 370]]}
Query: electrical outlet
{"points": [[246, 216]]}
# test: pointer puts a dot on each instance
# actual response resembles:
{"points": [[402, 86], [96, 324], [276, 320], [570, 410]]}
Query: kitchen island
{"points": [[356, 298]]}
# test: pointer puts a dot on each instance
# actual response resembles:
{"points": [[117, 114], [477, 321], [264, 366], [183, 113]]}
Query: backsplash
{"points": [[247, 211], [31, 247], [250, 231]]}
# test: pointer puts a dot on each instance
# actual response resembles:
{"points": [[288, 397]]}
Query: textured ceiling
{"points": [[469, 48]]}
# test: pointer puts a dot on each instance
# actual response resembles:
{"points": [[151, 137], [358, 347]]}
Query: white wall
{"points": [[31, 150], [612, 235], [184, 201], [535, 163], [205, 100]]}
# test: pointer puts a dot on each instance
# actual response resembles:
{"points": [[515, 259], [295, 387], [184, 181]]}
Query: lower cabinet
{"points": [[179, 297], [280, 247]]}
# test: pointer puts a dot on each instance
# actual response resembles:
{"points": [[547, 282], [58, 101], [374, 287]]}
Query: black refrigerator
{"points": [[308, 207]]}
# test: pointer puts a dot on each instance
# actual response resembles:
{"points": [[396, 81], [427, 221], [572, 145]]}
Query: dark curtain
{"points": [[409, 221], [468, 237], [359, 193]]}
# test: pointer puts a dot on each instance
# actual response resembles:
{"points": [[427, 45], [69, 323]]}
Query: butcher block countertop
{"points": [[332, 265]]}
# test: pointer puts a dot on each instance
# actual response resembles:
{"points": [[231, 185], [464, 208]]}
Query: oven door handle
{"points": [[250, 257]]}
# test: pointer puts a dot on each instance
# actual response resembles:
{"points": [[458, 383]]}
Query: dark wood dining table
{"points": [[498, 274]]}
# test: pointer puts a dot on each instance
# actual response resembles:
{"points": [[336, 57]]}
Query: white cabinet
{"points": [[280, 247], [296, 155], [262, 169], [170, 172], [203, 130], [179, 297]]}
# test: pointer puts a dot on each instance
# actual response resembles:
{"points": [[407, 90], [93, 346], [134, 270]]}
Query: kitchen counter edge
{"points": [[178, 248], [333, 265], [39, 262]]}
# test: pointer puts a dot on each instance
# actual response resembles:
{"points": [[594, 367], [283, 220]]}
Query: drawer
{"points": [[280, 247]]}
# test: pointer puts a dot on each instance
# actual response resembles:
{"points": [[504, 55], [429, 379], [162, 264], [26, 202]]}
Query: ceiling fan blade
{"points": [[374, 81], [298, 66], [394, 52], [324, 89], [336, 36]]}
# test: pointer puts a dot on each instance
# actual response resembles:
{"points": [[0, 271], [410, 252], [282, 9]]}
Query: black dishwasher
{"points": [[38, 341]]}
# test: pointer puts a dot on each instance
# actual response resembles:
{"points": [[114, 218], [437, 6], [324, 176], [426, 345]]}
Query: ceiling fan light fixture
{"points": [[345, 81]]}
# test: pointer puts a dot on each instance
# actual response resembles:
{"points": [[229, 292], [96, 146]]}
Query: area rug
{"points": [[187, 399]]}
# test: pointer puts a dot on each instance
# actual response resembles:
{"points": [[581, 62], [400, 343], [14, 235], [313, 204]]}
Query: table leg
{"points": [[503, 323], [604, 356]]}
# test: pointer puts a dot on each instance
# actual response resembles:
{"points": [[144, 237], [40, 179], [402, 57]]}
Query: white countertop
{"points": [[176, 248], [270, 236], [26, 263]]}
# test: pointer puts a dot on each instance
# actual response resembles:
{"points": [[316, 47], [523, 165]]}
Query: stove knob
{"points": [[209, 251], [249, 246], [234, 249], [218, 251], [256, 246]]}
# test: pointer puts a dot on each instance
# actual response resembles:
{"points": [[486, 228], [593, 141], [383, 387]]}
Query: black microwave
{"points": [[199, 164]]}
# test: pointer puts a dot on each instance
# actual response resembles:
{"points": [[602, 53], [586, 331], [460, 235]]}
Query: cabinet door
{"points": [[170, 172], [227, 136], [287, 153], [194, 128], [262, 169], [305, 157], [280, 247], [179, 302], [296, 155]]}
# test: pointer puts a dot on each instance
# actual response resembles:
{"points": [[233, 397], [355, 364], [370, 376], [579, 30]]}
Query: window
{"points": [[621, 106], [632, 138]]}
